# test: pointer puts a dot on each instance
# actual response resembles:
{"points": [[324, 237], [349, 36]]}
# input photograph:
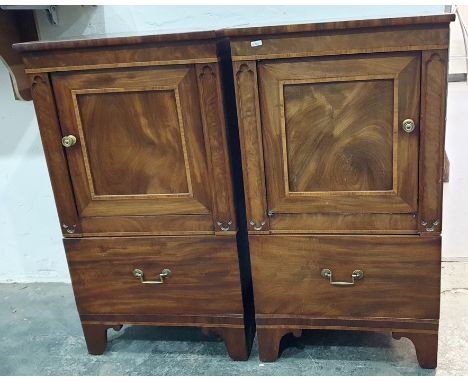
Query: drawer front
{"points": [[204, 275], [401, 276]]}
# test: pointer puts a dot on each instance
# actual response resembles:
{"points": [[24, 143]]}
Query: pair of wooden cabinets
{"points": [[341, 132]]}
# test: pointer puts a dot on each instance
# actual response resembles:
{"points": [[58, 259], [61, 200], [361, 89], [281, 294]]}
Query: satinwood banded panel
{"points": [[204, 275], [332, 134], [401, 276]]}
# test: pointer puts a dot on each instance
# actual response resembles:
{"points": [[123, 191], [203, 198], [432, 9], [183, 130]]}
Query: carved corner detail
{"points": [[430, 227], [257, 227], [69, 228], [243, 68], [37, 79], [435, 57], [224, 226], [207, 70]]}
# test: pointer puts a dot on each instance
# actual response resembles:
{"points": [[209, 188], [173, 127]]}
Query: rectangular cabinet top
{"points": [[94, 41]]}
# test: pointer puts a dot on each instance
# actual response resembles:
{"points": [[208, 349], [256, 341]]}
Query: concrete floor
{"points": [[40, 334]]}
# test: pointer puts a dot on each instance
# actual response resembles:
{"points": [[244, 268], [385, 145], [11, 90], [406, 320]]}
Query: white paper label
{"points": [[256, 43]]}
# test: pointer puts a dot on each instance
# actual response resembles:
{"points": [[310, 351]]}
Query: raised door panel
{"points": [[332, 134], [140, 142], [349, 147]]}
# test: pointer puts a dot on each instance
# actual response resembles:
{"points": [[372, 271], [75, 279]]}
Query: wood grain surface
{"points": [[205, 275], [433, 111], [151, 142], [342, 42], [214, 123], [250, 133], [337, 161], [337, 25], [319, 113], [269, 342], [138, 146], [426, 346], [344, 223], [114, 40], [51, 135], [332, 133], [401, 276], [339, 135]]}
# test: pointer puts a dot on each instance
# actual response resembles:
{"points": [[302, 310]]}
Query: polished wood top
{"points": [[181, 36], [105, 40], [337, 25]]}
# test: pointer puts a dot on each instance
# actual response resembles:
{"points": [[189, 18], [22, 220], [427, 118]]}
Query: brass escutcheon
{"points": [[408, 125], [68, 141]]}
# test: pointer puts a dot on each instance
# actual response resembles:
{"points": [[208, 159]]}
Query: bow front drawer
{"points": [[346, 276]]}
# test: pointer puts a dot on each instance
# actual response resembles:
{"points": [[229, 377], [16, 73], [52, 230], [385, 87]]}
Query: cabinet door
{"points": [[140, 146], [333, 137]]}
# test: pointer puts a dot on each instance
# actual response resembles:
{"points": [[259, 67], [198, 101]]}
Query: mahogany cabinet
{"points": [[341, 128], [341, 142], [135, 139]]}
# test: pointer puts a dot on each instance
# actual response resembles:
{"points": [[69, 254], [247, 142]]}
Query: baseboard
{"points": [[457, 77], [454, 259], [34, 280]]}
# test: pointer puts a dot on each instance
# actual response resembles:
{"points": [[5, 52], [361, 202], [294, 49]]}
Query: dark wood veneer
{"points": [[205, 275], [330, 179], [146, 185], [320, 114]]}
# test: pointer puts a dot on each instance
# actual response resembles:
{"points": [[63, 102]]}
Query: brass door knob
{"points": [[69, 140], [408, 125]]}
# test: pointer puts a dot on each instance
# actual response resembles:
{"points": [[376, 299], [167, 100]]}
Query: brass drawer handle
{"points": [[68, 141], [165, 273], [356, 275]]}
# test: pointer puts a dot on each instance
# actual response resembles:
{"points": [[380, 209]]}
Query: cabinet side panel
{"points": [[431, 155]]}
